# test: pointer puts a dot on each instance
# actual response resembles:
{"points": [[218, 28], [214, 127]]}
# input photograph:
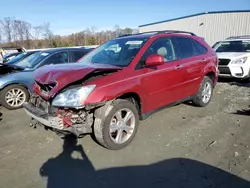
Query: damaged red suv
{"points": [[121, 82]]}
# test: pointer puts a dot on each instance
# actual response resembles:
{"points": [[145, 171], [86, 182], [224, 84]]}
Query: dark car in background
{"points": [[16, 79]]}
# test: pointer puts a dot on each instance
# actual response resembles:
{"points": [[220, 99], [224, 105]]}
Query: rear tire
{"points": [[111, 127], [204, 95], [13, 97]]}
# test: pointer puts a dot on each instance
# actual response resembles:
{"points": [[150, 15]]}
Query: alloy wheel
{"points": [[122, 126], [15, 97], [207, 92]]}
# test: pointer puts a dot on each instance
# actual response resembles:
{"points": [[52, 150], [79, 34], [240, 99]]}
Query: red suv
{"points": [[121, 82]]}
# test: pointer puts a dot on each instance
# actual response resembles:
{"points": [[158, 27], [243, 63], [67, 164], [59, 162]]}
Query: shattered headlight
{"points": [[74, 97], [239, 61]]}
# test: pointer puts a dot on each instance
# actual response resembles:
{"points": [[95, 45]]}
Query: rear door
{"points": [[57, 58], [75, 55], [193, 58], [161, 84]]}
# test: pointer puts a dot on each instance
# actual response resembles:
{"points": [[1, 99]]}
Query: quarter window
{"points": [[78, 55], [199, 48]]}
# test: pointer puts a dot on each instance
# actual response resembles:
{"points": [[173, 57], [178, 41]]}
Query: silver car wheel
{"points": [[15, 97], [122, 126], [207, 92]]}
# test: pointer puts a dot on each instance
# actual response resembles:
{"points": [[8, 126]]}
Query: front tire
{"points": [[14, 96], [204, 95], [116, 124]]}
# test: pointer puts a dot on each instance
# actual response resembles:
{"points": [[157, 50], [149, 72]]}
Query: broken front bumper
{"points": [[43, 117], [57, 124]]}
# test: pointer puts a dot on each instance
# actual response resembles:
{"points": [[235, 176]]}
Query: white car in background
{"points": [[234, 57]]}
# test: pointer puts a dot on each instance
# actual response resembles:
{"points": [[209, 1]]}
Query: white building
{"points": [[213, 26]]}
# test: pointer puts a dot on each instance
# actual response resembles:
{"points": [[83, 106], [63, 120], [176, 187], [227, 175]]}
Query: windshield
{"points": [[234, 46], [118, 52], [17, 58], [32, 60]]}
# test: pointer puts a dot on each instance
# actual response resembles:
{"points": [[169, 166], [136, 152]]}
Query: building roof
{"points": [[199, 14]]}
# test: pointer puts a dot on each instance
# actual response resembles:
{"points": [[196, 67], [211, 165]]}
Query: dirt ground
{"points": [[182, 146]]}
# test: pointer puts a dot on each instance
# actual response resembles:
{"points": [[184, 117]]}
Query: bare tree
{"points": [[37, 32], [6, 24], [27, 33], [94, 35], [1, 39], [117, 30], [37, 35], [47, 33], [19, 32]]}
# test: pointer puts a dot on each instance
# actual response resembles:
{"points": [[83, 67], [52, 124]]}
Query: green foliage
{"points": [[128, 30], [92, 41], [54, 44], [39, 44]]}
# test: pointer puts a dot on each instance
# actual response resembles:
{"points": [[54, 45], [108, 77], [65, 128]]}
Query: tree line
{"points": [[14, 32]]}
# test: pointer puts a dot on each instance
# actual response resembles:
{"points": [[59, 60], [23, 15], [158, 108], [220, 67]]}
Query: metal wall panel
{"points": [[213, 27]]}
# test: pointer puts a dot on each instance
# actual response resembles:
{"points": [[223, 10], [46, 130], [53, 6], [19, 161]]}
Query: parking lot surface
{"points": [[181, 146]]}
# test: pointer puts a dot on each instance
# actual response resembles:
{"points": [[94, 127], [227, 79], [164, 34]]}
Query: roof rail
{"points": [[176, 31], [159, 32], [239, 37], [137, 33]]}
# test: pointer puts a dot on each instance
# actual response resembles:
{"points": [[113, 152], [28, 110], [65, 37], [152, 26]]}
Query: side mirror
{"points": [[154, 60]]}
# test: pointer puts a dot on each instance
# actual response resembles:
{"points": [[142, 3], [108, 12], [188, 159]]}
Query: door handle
{"points": [[179, 67]]}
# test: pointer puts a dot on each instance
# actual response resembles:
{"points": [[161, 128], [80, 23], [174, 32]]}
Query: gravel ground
{"points": [[182, 146]]}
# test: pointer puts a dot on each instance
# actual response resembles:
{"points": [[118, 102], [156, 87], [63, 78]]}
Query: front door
{"points": [[161, 84]]}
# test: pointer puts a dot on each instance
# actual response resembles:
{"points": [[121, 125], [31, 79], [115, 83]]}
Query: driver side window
{"points": [[162, 46]]}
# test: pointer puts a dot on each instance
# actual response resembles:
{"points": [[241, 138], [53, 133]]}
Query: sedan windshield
{"points": [[234, 46], [32, 60], [18, 58], [118, 52]]}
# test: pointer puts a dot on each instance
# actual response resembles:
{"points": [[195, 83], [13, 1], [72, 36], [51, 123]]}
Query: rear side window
{"points": [[58, 58], [184, 47], [199, 48], [76, 55]]}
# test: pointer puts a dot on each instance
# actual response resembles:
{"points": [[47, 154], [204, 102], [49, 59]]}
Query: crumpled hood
{"points": [[232, 55], [65, 74]]}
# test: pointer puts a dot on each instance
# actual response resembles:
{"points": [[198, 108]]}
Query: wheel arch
{"points": [[135, 99], [212, 76], [16, 83]]}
